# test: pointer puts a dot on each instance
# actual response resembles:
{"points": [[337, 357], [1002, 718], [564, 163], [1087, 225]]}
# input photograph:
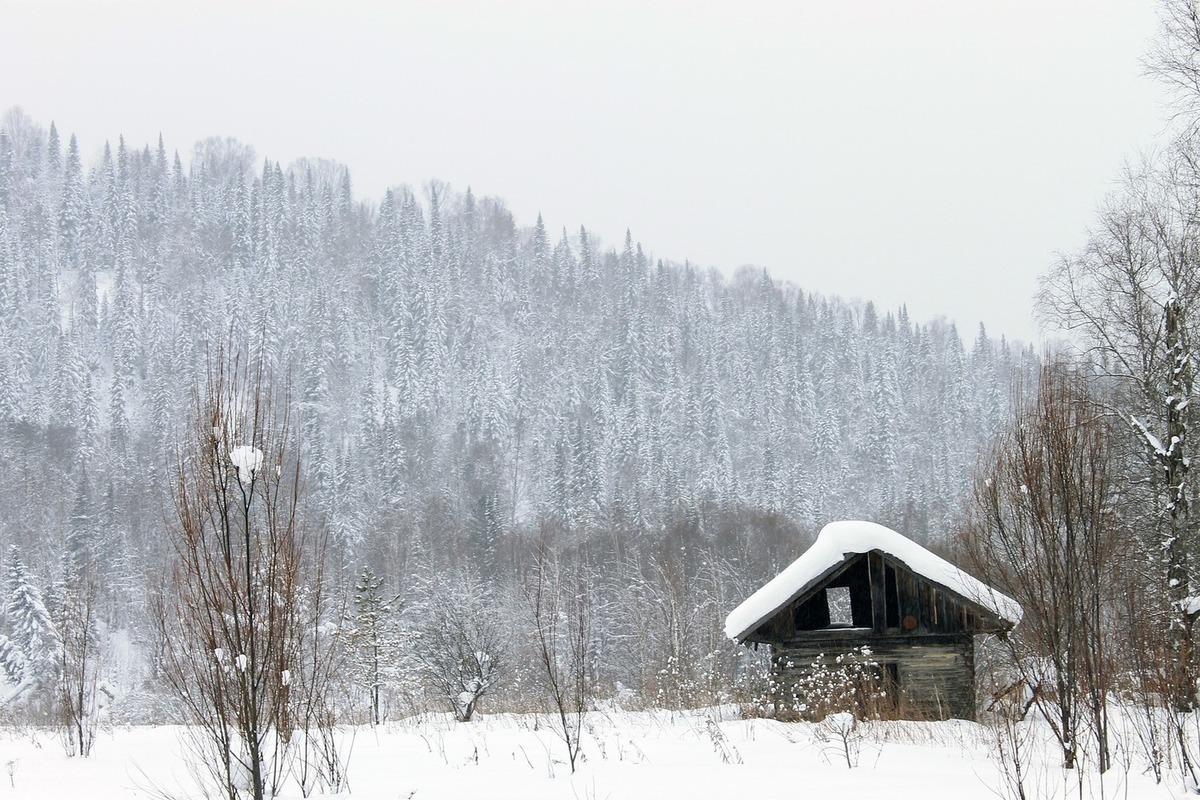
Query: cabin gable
{"points": [[880, 595]]}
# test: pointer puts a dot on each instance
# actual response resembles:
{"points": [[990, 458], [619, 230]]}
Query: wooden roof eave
{"points": [[801, 595], [999, 624]]}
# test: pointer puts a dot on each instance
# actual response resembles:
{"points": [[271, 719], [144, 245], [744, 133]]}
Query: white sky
{"points": [[931, 153]]}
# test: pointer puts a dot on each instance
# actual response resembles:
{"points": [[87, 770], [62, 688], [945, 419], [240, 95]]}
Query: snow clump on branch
{"points": [[248, 460]]}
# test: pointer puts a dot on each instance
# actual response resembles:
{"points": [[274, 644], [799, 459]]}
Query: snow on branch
{"points": [[1155, 443]]}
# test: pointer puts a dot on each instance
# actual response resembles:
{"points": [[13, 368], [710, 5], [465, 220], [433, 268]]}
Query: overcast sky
{"points": [[930, 153]]}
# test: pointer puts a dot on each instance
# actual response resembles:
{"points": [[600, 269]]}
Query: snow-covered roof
{"points": [[840, 540]]}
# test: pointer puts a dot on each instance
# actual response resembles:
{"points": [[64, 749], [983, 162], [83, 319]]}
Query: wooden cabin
{"points": [[862, 584]]}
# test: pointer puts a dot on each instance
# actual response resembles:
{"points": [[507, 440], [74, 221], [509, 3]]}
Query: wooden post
{"points": [[878, 580], [910, 601]]}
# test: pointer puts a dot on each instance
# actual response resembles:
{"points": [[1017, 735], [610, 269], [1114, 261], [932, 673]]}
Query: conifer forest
{"points": [[469, 390]]}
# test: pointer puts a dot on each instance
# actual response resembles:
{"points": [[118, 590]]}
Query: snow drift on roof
{"points": [[840, 539]]}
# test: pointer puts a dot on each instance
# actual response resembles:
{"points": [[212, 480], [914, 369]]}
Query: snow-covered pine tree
{"points": [[31, 647], [374, 641]]}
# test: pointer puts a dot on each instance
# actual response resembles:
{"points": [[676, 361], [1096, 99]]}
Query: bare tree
{"points": [[321, 660], [1041, 527], [1128, 300], [666, 607], [232, 614], [81, 659], [460, 643], [223, 160], [1174, 57], [558, 600], [1131, 298]]}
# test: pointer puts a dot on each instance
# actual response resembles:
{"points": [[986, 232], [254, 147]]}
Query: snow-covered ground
{"points": [[703, 754]]}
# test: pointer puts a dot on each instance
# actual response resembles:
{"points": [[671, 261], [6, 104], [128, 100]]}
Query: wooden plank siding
{"points": [[935, 675]]}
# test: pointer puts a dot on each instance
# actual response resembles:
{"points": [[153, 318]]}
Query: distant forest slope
{"points": [[461, 381]]}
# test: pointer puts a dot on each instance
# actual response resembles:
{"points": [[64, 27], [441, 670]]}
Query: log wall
{"points": [[934, 676]]}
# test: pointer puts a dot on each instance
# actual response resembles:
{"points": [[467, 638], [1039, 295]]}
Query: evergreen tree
{"points": [[30, 652], [374, 642]]}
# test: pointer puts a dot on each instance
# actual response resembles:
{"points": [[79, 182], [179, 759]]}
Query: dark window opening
{"points": [[844, 603], [857, 579]]}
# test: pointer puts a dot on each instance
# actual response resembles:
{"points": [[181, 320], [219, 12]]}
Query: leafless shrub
{"points": [[321, 759], [81, 659], [562, 618], [460, 645], [1041, 527], [240, 646]]}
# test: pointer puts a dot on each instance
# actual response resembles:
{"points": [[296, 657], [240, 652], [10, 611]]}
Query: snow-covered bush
{"points": [[459, 642], [848, 683]]}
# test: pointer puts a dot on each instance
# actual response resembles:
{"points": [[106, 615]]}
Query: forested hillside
{"points": [[463, 379]]}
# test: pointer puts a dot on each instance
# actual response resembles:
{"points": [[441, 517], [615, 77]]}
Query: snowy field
{"points": [[627, 755]]}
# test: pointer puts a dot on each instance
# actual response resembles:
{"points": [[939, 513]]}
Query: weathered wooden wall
{"points": [[935, 674]]}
